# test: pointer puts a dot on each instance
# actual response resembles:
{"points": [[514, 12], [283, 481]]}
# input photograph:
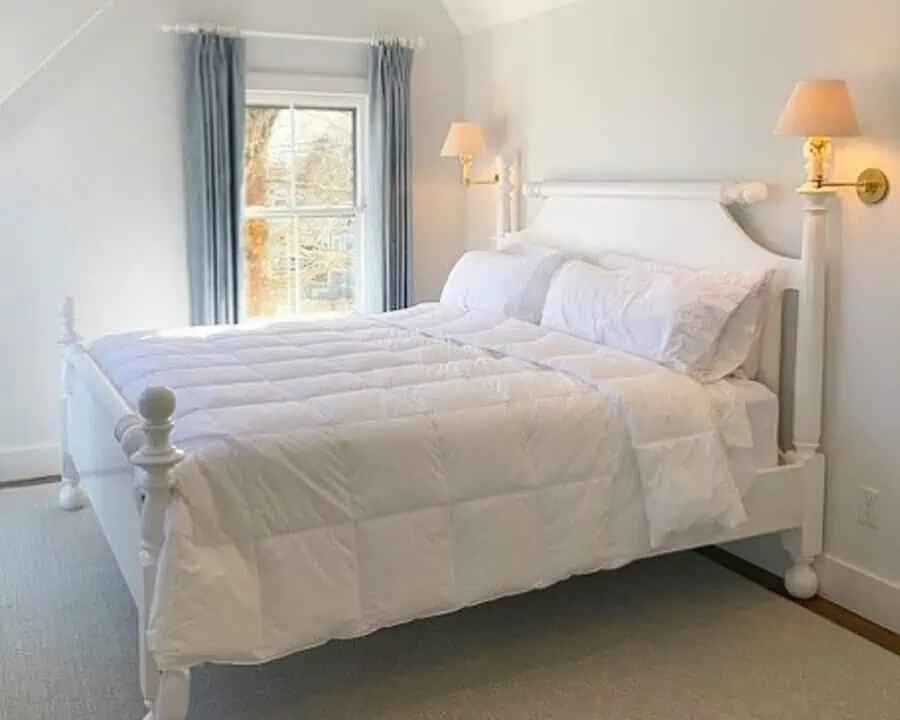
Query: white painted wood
{"points": [[165, 692], [515, 194], [113, 405], [174, 696], [29, 462], [112, 502], [71, 494], [281, 83], [101, 447], [748, 193], [861, 591], [801, 581], [774, 503], [811, 325], [807, 542], [503, 199]]}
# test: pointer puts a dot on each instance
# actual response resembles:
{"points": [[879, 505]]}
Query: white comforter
{"points": [[353, 474]]}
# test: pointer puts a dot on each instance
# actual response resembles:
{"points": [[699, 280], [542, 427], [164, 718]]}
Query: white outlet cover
{"points": [[868, 507]]}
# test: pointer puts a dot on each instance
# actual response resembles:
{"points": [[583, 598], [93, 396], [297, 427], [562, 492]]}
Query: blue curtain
{"points": [[390, 192], [213, 70]]}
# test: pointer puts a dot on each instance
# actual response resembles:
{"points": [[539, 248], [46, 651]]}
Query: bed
{"points": [[269, 488]]}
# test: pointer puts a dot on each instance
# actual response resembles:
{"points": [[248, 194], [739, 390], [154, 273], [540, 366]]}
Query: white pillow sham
{"points": [[677, 317], [513, 284], [740, 347]]}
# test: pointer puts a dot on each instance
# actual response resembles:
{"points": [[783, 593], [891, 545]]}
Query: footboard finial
{"points": [[166, 691], [157, 405], [71, 495]]}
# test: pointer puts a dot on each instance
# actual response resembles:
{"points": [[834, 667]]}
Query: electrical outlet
{"points": [[868, 507]]}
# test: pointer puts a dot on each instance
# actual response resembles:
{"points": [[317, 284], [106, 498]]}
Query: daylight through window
{"points": [[302, 207]]}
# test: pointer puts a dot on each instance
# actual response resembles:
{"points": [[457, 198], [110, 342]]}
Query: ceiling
{"points": [[474, 15]]}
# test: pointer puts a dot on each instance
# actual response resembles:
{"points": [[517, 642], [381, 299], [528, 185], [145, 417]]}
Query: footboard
{"points": [[121, 462], [95, 464]]}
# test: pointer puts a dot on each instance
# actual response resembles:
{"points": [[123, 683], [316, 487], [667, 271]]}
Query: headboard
{"points": [[689, 224]]}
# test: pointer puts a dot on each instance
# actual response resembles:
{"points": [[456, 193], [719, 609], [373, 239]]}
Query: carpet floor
{"points": [[676, 638]]}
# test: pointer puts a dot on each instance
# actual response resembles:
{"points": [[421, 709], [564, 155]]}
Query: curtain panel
{"points": [[214, 98], [390, 192]]}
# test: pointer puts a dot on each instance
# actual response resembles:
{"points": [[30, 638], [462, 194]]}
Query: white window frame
{"points": [[326, 93]]}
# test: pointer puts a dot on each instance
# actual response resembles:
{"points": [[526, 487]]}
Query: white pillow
{"points": [[672, 316], [508, 283], [740, 346]]}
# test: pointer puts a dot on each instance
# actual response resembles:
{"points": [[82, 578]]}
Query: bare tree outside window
{"points": [[302, 217]]}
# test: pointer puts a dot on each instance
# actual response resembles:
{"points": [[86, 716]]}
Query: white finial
{"points": [[157, 405], [743, 193], [66, 323], [755, 192]]}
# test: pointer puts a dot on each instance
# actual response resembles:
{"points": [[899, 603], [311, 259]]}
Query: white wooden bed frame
{"points": [[687, 224]]}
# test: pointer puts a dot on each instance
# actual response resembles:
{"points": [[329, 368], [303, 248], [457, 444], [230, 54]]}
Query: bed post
{"points": [[806, 544], [503, 205], [71, 494], [166, 692]]}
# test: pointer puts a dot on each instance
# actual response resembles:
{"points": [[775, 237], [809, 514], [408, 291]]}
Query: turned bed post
{"points": [[166, 692], [509, 197], [71, 494], [504, 217], [806, 544]]}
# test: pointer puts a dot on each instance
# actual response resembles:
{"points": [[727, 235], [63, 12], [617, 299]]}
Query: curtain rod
{"points": [[417, 43]]}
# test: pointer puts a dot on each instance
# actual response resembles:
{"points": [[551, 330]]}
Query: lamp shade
{"points": [[463, 138], [818, 108]]}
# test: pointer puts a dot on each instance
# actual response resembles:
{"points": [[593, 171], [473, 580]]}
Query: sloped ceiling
{"points": [[474, 15]]}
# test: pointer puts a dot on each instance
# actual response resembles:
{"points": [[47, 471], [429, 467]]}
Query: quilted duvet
{"points": [[347, 475]]}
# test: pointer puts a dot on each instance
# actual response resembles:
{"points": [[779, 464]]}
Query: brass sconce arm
{"points": [[466, 162], [872, 185]]}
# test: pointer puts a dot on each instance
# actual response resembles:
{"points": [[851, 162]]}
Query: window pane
{"points": [[326, 275], [324, 145], [303, 266], [268, 160], [270, 267]]}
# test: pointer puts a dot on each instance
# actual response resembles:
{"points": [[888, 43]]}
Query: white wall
{"points": [[690, 90], [90, 199]]}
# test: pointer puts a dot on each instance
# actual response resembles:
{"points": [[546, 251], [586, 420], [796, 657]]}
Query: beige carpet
{"points": [[672, 639]]}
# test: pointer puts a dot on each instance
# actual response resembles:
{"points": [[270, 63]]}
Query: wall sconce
{"points": [[819, 110], [465, 141]]}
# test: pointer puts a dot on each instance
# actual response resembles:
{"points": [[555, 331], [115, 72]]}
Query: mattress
{"points": [[351, 474]]}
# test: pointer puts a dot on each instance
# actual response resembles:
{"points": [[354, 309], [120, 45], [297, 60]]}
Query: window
{"points": [[303, 204]]}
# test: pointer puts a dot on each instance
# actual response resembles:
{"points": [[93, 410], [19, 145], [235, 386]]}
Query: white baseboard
{"points": [[860, 591], [844, 584], [26, 463]]}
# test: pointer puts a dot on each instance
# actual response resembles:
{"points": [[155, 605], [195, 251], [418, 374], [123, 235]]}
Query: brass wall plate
{"points": [[872, 186]]}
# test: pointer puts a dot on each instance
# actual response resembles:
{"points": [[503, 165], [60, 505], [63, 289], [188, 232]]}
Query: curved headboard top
{"points": [[685, 224]]}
